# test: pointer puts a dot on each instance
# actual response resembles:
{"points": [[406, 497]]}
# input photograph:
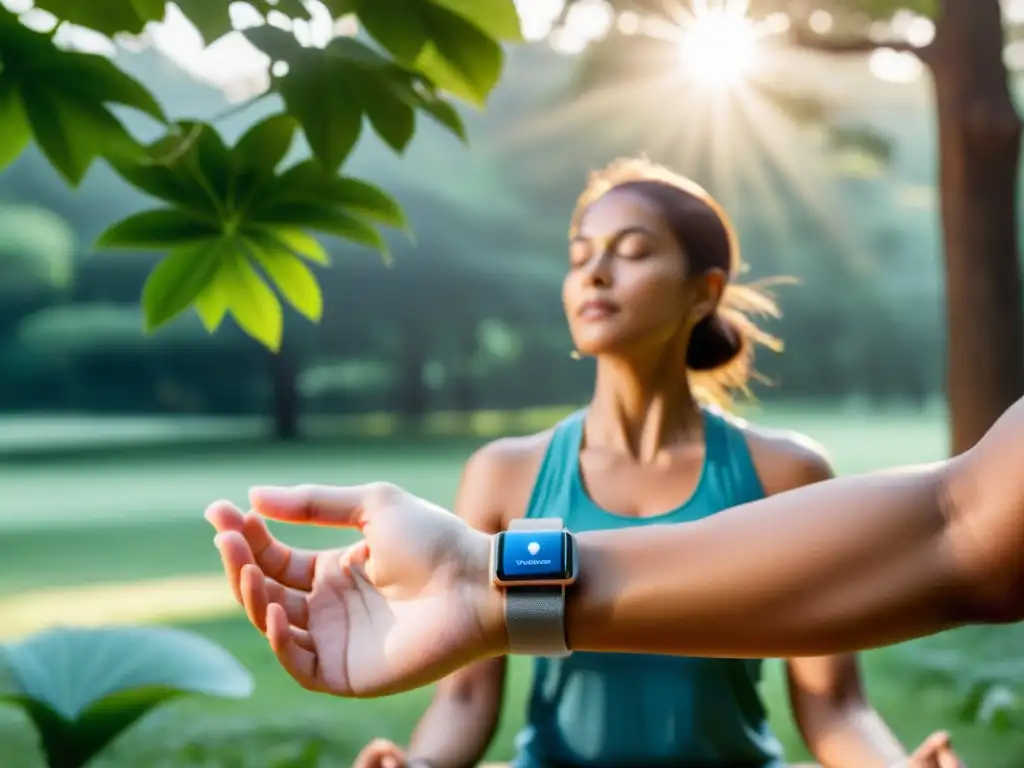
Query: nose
{"points": [[599, 269]]}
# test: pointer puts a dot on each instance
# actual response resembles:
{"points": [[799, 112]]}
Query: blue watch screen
{"points": [[534, 556]]}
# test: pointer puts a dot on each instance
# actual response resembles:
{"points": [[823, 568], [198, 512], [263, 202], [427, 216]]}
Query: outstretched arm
{"points": [[838, 566]]}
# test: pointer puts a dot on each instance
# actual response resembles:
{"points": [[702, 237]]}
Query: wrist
{"points": [[485, 600]]}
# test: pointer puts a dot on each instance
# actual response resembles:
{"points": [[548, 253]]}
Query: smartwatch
{"points": [[533, 562]]}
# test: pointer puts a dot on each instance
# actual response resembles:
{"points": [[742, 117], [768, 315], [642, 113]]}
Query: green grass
{"points": [[94, 540]]}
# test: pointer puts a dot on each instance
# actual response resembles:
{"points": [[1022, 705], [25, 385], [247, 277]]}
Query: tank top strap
{"points": [[728, 460], [552, 488]]}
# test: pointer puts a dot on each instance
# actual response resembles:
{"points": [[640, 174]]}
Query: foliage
{"points": [[232, 219], [83, 687], [37, 250]]}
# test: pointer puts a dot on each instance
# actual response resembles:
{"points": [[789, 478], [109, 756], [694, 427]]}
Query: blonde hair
{"points": [[720, 357]]}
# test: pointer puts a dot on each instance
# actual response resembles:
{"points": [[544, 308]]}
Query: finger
{"points": [[292, 600], [947, 758], [298, 661], [330, 505], [292, 567], [235, 554], [224, 516], [374, 754], [926, 749], [254, 596]]}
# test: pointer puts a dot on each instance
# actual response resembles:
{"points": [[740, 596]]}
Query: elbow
{"points": [[984, 540]]}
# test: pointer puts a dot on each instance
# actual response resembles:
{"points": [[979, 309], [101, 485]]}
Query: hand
{"points": [[409, 603], [935, 752], [381, 753]]}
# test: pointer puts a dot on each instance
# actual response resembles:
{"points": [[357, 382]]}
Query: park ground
{"points": [[118, 537]]}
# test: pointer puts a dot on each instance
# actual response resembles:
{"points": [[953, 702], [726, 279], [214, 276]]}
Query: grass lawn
{"points": [[120, 539]]}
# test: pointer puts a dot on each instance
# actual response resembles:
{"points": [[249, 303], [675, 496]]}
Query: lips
{"points": [[597, 309]]}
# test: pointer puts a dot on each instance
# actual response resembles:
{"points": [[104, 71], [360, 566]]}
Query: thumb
{"points": [[327, 505]]}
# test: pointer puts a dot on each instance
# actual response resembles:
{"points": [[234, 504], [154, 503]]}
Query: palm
{"points": [[386, 614], [386, 620]]}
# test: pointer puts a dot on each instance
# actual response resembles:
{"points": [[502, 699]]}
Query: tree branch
{"points": [[802, 37]]}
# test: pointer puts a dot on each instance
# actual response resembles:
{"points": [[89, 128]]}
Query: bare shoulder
{"points": [[785, 459], [498, 479]]}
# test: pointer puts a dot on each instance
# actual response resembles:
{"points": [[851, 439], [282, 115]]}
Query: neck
{"points": [[641, 407]]}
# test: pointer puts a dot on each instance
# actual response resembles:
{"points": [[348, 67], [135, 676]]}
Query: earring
{"points": [[575, 355]]}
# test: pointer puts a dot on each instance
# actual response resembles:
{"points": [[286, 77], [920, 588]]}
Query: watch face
{"points": [[534, 556]]}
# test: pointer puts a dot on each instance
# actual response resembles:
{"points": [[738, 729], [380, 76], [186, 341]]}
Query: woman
{"points": [[648, 294]]}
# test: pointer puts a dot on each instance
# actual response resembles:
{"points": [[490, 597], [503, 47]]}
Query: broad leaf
{"points": [[445, 44], [212, 305], [266, 143], [211, 18], [233, 210], [110, 17], [176, 281], [460, 58], [292, 277], [14, 125], [330, 91], [66, 96], [294, 240], [496, 18], [251, 302], [83, 687], [159, 229]]}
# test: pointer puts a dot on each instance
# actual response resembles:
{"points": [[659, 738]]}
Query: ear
{"points": [[710, 287]]}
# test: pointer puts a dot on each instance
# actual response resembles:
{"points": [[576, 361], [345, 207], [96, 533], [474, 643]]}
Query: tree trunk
{"points": [[979, 134], [284, 375]]}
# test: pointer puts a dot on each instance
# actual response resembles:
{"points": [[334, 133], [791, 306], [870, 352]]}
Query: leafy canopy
{"points": [[240, 229]]}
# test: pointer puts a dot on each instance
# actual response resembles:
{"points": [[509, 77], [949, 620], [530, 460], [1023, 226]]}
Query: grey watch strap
{"points": [[535, 616]]}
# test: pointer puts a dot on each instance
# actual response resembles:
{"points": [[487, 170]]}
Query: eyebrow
{"points": [[636, 229]]}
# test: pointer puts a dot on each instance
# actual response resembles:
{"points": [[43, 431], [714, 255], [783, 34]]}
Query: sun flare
{"points": [[719, 49]]}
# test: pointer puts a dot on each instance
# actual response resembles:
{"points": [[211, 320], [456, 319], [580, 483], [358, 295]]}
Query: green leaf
{"points": [[177, 280], [445, 114], [307, 182], [461, 59], [328, 220], [211, 18], [266, 143], [392, 118], [160, 228], [212, 304], [406, 40], [317, 91], [84, 687], [65, 97], [292, 277], [14, 125], [365, 199], [164, 182], [251, 302], [70, 148], [496, 18], [294, 240], [110, 17], [98, 79]]}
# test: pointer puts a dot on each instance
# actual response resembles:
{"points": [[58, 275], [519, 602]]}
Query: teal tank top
{"points": [[599, 709]]}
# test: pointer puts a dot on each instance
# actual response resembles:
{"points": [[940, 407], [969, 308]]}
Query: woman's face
{"points": [[626, 288]]}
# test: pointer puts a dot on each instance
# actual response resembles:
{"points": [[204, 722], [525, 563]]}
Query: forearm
{"points": [[853, 736], [453, 733], [847, 564]]}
